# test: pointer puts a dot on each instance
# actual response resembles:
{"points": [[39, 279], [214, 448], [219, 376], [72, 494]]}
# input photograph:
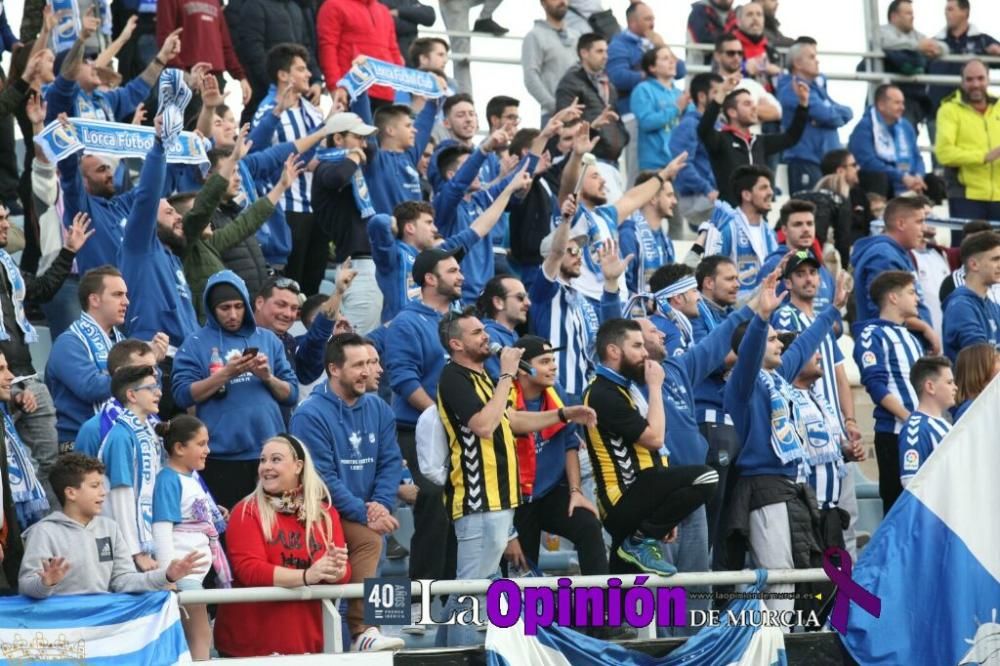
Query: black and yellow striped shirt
{"points": [[615, 455], [483, 474]]}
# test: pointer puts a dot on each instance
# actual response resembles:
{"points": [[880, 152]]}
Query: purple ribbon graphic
{"points": [[847, 589]]}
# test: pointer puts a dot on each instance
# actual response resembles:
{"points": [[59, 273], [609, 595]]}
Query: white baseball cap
{"points": [[348, 122]]}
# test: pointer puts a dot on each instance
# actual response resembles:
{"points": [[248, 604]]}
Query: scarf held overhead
{"points": [[378, 72]]}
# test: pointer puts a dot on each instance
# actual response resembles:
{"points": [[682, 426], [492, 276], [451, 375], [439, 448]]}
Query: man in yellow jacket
{"points": [[968, 143]]}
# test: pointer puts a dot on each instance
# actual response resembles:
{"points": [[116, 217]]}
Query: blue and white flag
{"points": [[175, 95], [67, 13], [96, 629], [100, 137], [725, 644], [378, 72], [935, 560]]}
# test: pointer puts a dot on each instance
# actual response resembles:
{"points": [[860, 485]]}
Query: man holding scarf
{"points": [[549, 468], [770, 509]]}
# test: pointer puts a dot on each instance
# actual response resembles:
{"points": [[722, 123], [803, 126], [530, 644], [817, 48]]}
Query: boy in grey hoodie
{"points": [[78, 551]]}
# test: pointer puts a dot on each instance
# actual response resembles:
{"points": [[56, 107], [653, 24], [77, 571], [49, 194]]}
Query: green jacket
{"points": [[203, 256]]}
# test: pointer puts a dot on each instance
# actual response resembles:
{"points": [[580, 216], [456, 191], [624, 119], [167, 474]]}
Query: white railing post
{"points": [[333, 629]]}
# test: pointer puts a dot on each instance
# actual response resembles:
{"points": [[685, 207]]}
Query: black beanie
{"points": [[221, 293]]}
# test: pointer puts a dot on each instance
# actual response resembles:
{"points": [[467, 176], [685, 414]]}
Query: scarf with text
{"points": [[359, 186], [25, 489]]}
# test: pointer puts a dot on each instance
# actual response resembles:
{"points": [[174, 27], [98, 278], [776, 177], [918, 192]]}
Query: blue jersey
{"points": [[885, 352], [295, 124], [651, 248], [708, 393], [790, 318], [918, 439]]}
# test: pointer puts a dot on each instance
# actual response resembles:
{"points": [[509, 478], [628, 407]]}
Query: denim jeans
{"points": [[362, 305], [802, 176], [482, 538], [690, 553]]}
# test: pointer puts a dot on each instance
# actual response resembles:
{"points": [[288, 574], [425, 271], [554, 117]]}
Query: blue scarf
{"points": [[614, 376], [819, 428], [786, 441], [174, 96], [17, 292], [25, 489], [98, 342], [709, 315], [890, 142], [378, 72], [655, 248], [359, 187], [111, 410], [145, 466], [68, 26]]}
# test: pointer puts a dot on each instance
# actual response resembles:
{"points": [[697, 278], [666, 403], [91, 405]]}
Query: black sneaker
{"points": [[490, 26], [395, 550]]}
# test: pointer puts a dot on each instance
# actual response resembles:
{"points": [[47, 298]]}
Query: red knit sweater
{"points": [[205, 37], [285, 627]]}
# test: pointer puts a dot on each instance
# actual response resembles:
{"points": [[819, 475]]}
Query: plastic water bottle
{"points": [[215, 365]]}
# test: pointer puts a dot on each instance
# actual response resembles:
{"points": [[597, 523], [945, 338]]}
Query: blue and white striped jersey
{"points": [[885, 352], [917, 441], [790, 318], [295, 123]]}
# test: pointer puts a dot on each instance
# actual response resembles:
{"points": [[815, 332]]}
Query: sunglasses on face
{"points": [[732, 54], [574, 250], [287, 283]]}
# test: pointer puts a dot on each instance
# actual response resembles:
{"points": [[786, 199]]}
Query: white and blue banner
{"points": [[98, 629], [934, 562], [378, 72], [67, 13], [100, 137], [723, 644]]}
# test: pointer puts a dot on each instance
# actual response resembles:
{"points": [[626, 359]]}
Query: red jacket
{"points": [[346, 29], [205, 37], [285, 627]]}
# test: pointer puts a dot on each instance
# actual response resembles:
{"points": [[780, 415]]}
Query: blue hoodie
{"points": [[394, 263], [697, 177], [708, 392], [500, 334], [827, 286], [969, 318], [825, 117], [453, 214], [417, 357], [862, 146], [248, 413], [686, 444], [354, 449], [872, 256], [746, 396], [160, 299]]}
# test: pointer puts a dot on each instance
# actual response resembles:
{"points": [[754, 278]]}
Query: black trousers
{"points": [[230, 480], [433, 549], [310, 251], [724, 448], [549, 513], [887, 455], [658, 499], [8, 161]]}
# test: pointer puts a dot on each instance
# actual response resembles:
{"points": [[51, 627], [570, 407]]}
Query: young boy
{"points": [[78, 551], [934, 383], [885, 352], [131, 453]]}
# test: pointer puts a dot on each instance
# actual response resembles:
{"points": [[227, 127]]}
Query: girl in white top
{"points": [[186, 519]]}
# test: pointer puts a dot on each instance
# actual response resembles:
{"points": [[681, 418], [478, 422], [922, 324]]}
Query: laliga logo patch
{"points": [[868, 359], [911, 460]]}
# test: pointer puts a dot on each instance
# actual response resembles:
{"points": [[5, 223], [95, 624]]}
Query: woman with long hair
{"points": [[285, 534], [975, 368]]}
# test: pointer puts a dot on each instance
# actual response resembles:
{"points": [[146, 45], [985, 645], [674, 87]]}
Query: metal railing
{"points": [[332, 630]]}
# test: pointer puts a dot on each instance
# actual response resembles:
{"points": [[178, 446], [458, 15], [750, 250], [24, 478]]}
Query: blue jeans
{"points": [[802, 176], [482, 538], [690, 553]]}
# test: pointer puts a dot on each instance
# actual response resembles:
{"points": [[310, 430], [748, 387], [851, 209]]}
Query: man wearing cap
{"points": [[562, 313], [342, 206], [240, 403], [549, 468], [797, 220], [414, 367], [675, 291]]}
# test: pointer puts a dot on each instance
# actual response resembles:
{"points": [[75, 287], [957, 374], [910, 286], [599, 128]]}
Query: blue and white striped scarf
{"points": [[25, 489], [97, 342], [786, 441], [174, 97], [145, 466], [17, 293]]}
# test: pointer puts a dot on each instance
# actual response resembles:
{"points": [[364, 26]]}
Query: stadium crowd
{"points": [[360, 303]]}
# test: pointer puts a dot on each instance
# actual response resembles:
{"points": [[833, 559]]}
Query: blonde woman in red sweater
{"points": [[267, 545]]}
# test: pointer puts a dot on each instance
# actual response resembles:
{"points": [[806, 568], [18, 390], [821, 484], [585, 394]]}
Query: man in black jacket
{"points": [[35, 415], [734, 144], [588, 83], [259, 25]]}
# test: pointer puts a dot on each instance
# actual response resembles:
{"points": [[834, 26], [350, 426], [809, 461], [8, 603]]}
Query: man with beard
{"points": [[769, 509], [504, 305], [759, 57], [967, 121], [735, 144], [414, 367], [675, 292], [742, 233], [351, 435], [565, 314], [644, 235], [36, 423], [641, 499], [546, 53], [708, 20], [240, 403], [797, 220]]}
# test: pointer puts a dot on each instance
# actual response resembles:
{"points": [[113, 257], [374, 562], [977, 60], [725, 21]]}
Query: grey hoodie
{"points": [[99, 559]]}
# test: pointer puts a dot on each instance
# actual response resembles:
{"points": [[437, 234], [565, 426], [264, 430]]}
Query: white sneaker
{"points": [[372, 640], [414, 629]]}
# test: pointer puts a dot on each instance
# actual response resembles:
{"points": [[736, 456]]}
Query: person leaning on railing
{"points": [[267, 543]]}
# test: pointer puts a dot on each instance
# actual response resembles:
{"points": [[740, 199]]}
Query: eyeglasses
{"points": [[730, 54], [154, 386]]}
